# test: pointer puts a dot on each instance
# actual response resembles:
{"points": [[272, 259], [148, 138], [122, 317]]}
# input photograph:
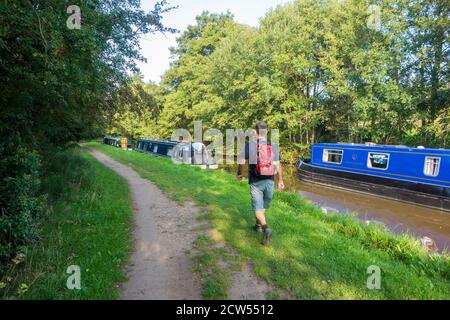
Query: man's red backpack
{"points": [[264, 157]]}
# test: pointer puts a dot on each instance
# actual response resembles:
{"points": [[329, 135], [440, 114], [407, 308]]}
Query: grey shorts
{"points": [[262, 194]]}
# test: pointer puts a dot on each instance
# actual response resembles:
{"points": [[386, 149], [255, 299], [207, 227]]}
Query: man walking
{"points": [[263, 164]]}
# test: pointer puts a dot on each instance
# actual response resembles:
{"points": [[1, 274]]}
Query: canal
{"points": [[399, 217]]}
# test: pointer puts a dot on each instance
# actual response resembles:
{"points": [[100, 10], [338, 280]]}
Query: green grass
{"points": [[88, 225], [312, 255], [214, 277]]}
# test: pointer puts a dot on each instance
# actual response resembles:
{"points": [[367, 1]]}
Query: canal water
{"points": [[399, 217]]}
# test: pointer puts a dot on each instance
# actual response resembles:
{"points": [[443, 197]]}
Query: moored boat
{"points": [[193, 153], [415, 175], [162, 148], [112, 141]]}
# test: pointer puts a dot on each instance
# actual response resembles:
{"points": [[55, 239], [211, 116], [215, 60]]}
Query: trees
{"points": [[136, 109], [318, 71], [428, 67], [188, 85], [56, 81], [292, 50], [235, 82], [58, 85]]}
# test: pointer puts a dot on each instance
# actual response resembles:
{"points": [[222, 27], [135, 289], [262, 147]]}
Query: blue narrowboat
{"points": [[162, 148], [193, 153], [416, 175], [112, 141]]}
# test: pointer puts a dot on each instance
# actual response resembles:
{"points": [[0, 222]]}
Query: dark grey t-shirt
{"points": [[250, 156]]}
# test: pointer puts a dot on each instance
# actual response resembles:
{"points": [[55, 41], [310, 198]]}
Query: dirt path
{"points": [[160, 266]]}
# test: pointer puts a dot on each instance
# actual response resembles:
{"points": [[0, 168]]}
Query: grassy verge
{"points": [[88, 225], [313, 255]]}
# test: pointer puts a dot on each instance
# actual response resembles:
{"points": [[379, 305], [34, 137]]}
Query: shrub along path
{"points": [[87, 223], [160, 266]]}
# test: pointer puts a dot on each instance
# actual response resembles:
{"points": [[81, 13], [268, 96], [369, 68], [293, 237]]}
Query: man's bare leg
{"points": [[261, 217]]}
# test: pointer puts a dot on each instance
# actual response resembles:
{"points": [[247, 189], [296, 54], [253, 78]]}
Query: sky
{"points": [[155, 47]]}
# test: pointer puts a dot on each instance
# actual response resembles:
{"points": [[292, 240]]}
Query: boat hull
{"points": [[416, 193]]}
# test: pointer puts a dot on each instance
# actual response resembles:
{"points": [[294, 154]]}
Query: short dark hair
{"points": [[261, 126]]}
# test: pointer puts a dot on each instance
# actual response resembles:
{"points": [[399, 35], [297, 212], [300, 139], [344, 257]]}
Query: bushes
{"points": [[87, 223], [293, 151], [24, 192], [21, 202], [29, 183], [65, 171]]}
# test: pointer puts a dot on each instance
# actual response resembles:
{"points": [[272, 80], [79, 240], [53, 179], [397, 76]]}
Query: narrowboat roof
{"points": [[158, 141], [387, 148]]}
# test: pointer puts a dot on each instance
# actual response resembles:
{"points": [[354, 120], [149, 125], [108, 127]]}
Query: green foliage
{"points": [[89, 225], [318, 72], [187, 86], [21, 203], [57, 82], [58, 85], [138, 106]]}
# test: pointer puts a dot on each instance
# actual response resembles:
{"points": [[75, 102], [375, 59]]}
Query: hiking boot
{"points": [[267, 236], [258, 228]]}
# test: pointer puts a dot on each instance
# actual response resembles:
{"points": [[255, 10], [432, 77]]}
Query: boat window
{"points": [[378, 160], [431, 167], [334, 156], [155, 148]]}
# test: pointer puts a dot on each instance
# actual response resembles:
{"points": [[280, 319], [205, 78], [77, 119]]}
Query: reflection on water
{"points": [[399, 217]]}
